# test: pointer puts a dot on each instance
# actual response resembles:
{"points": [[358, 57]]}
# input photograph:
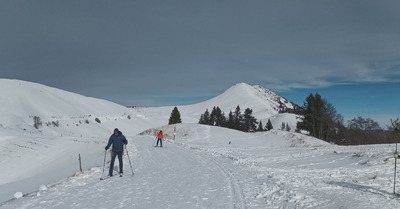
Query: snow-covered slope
{"points": [[72, 124], [21, 99], [210, 167], [198, 167]]}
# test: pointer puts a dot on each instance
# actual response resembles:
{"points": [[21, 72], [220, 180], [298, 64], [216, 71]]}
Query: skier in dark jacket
{"points": [[117, 140]]}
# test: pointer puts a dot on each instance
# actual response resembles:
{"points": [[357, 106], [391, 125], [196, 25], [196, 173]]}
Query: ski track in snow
{"points": [[238, 200], [207, 174], [169, 177], [310, 177]]}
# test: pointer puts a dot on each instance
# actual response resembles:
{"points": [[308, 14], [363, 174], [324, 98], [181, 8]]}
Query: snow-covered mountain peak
{"points": [[239, 88], [258, 92], [262, 101]]}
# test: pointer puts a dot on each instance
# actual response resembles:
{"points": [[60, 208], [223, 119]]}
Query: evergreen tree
{"points": [[220, 119], [213, 116], [175, 116], [238, 119], [201, 120], [260, 127], [269, 126], [311, 114], [320, 118], [205, 118], [231, 121], [249, 121]]}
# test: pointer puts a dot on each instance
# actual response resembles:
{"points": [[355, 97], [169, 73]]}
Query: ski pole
{"points": [[129, 159], [104, 165]]}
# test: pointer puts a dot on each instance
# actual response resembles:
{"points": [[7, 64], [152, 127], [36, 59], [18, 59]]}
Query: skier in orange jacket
{"points": [[160, 138]]}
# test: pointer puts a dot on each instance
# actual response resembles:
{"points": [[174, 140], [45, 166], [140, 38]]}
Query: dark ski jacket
{"points": [[117, 142]]}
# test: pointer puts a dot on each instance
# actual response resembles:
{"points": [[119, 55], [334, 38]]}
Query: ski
{"points": [[104, 178], [107, 177]]}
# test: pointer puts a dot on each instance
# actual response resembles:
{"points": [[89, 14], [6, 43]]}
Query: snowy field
{"points": [[198, 167]]}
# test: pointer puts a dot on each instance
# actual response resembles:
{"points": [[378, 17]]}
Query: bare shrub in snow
{"points": [[97, 120], [55, 123], [37, 122]]}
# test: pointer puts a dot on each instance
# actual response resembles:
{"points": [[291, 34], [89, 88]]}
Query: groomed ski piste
{"points": [[199, 166]]}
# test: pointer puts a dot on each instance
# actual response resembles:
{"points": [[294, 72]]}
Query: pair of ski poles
{"points": [[129, 159]]}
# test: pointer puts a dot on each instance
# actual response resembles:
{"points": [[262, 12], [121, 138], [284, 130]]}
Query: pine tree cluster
{"points": [[236, 120], [320, 119], [285, 127]]}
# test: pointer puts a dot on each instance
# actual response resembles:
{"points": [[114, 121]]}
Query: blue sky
{"points": [[156, 52], [378, 101]]}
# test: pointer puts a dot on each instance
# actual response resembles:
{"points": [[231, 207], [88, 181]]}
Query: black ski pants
{"points": [[113, 155]]}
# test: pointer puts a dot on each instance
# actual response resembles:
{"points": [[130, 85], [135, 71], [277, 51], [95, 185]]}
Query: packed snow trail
{"points": [[202, 170], [168, 177]]}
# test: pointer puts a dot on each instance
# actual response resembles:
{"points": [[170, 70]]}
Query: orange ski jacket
{"points": [[160, 136]]}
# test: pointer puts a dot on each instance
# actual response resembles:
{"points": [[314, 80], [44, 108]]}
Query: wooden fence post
{"points": [[80, 163]]}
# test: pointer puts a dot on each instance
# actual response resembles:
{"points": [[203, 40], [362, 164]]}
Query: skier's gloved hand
{"points": [[106, 148]]}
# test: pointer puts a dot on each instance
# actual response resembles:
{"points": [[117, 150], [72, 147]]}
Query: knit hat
{"points": [[116, 130]]}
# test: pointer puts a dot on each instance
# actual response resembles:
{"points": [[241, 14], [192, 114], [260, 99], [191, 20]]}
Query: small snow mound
{"points": [[43, 188], [95, 169], [18, 195], [78, 173]]}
